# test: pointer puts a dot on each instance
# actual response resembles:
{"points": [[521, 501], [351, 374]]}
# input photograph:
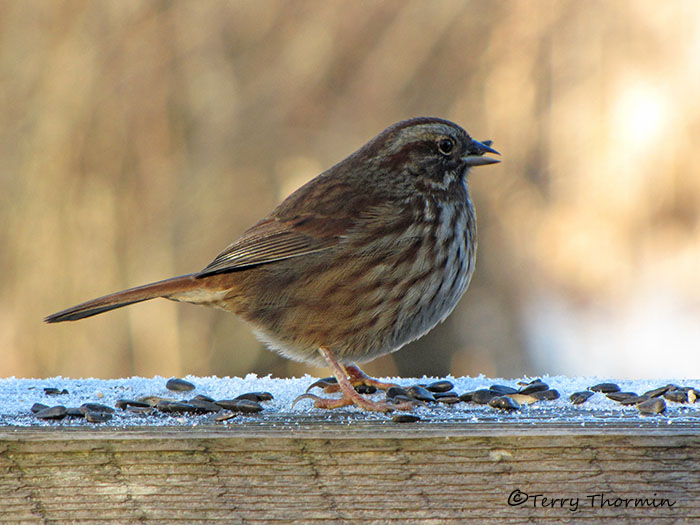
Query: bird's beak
{"points": [[476, 151]]}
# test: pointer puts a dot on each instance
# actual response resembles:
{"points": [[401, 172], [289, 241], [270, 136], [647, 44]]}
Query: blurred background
{"points": [[138, 139]]}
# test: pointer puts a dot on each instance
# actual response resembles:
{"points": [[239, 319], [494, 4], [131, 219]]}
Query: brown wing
{"points": [[312, 219], [273, 240]]}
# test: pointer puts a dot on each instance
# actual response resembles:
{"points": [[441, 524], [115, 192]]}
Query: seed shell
{"points": [[179, 385], [578, 398]]}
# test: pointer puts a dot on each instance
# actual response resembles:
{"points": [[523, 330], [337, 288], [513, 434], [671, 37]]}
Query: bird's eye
{"points": [[445, 146]]}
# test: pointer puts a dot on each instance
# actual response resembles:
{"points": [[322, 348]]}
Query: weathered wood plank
{"points": [[336, 470]]}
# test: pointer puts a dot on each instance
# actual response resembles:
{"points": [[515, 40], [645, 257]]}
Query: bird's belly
{"points": [[367, 307]]}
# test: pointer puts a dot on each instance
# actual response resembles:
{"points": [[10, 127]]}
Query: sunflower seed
{"points": [[139, 410], [483, 396], [396, 391], [200, 397], [365, 389], [523, 399], [604, 388], [503, 390], [405, 399], [123, 404], [53, 391], [225, 415], [36, 407], [97, 417], [175, 407], [245, 406], [255, 396], [633, 400], [526, 383], [677, 396], [656, 392], [442, 395], [440, 386], [154, 400], [504, 403], [203, 406], [466, 397], [179, 385], [546, 395], [621, 396], [404, 418], [655, 405], [421, 393], [448, 400], [534, 387], [95, 407], [55, 412], [578, 398]]}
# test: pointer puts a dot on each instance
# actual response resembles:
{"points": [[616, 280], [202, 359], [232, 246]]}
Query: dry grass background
{"points": [[137, 139]]}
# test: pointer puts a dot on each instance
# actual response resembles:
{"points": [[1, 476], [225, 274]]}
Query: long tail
{"points": [[167, 288]]}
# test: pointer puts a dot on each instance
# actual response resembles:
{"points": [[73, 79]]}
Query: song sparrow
{"points": [[366, 257]]}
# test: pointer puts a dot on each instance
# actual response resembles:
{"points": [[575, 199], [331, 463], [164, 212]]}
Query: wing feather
{"points": [[268, 241]]}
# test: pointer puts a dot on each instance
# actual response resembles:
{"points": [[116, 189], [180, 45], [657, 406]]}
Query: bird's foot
{"points": [[346, 379], [357, 400], [356, 377]]}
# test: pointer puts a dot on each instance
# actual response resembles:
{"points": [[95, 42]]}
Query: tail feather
{"points": [[109, 302]]}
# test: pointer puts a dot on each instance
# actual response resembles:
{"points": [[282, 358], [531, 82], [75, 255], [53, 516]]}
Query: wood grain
{"points": [[339, 470]]}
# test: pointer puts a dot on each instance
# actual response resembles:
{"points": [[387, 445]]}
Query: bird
{"points": [[366, 257]]}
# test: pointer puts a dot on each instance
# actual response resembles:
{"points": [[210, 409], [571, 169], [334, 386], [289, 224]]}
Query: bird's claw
{"points": [[328, 384], [305, 396]]}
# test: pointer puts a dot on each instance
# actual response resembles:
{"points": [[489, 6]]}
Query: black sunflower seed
{"points": [[179, 385], [420, 393], [55, 412], [656, 392], [538, 386], [201, 397], [655, 405], [440, 386], [404, 418], [621, 396], [245, 406], [483, 396], [95, 407], [203, 406], [405, 399], [97, 417], [396, 391], [504, 403], [448, 400], [633, 400], [255, 396], [677, 396], [123, 404], [36, 407], [365, 389], [503, 390], [581, 397], [224, 415], [546, 395], [175, 407], [604, 388], [53, 391], [441, 395]]}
